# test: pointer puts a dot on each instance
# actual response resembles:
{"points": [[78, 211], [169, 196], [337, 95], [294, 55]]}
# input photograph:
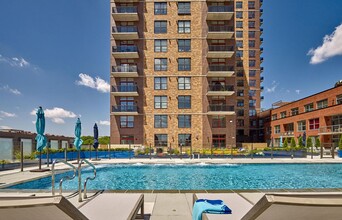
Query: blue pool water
{"points": [[203, 176]]}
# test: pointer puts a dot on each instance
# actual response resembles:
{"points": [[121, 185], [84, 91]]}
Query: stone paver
{"points": [[169, 204]]}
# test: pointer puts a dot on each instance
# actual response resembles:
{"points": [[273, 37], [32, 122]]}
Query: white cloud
{"points": [[107, 123], [10, 90], [273, 87], [15, 61], [57, 115], [97, 83], [7, 114], [5, 127], [332, 46], [298, 91]]}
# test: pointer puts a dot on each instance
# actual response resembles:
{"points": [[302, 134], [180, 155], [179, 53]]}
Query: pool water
{"points": [[202, 176]]}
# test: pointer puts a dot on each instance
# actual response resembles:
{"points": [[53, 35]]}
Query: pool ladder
{"points": [[86, 181], [64, 178]]}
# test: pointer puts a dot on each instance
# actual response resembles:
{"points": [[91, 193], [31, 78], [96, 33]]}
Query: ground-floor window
{"points": [[126, 139], [219, 140], [184, 140], [160, 140]]}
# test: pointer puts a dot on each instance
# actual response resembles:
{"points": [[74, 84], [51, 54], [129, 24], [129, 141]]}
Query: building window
{"points": [[240, 112], [277, 129], [184, 121], [184, 27], [240, 103], [160, 121], [238, 5], [184, 102], [251, 14], [160, 8], [252, 54], [184, 64], [218, 121], [252, 73], [274, 117], [160, 27], [160, 45], [239, 14], [339, 99], [252, 93], [219, 140], [301, 125], [160, 140], [252, 112], [239, 73], [314, 124], [251, 24], [294, 111], [160, 83], [239, 63], [160, 64], [322, 104], [251, 34], [282, 114], [184, 83], [126, 139], [184, 45], [240, 83], [239, 53], [126, 121], [308, 107], [240, 93], [184, 8], [239, 34], [252, 83], [252, 63], [239, 24], [240, 122], [251, 4], [160, 101], [239, 43], [184, 140], [252, 103], [251, 43]]}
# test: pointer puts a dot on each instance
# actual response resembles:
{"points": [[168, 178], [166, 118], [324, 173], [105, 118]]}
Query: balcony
{"points": [[125, 70], [261, 11], [222, 90], [261, 79], [262, 98], [261, 69], [223, 12], [125, 90], [220, 32], [220, 110], [330, 130], [261, 21], [220, 71], [124, 110], [261, 59], [261, 30], [286, 134], [219, 51], [125, 51], [125, 32], [125, 13], [261, 88], [261, 49]]}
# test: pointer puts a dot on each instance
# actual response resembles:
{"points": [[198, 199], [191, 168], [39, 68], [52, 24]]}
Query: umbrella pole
{"points": [[96, 153], [40, 159], [78, 157]]}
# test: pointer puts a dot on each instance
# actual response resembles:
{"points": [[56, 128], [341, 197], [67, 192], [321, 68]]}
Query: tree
{"points": [[340, 143], [309, 142], [285, 143], [317, 142], [87, 140], [104, 140], [293, 143], [300, 142]]}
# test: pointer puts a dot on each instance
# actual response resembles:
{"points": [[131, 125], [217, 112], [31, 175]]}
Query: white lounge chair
{"points": [[280, 207], [104, 206]]}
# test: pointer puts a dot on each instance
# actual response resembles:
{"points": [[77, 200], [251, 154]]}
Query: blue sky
{"points": [[45, 45]]}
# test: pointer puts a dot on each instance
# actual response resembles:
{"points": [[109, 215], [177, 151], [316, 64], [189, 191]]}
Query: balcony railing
{"points": [[220, 68], [221, 48], [124, 68], [124, 9], [286, 134], [124, 29], [225, 8], [125, 88], [221, 108], [125, 108], [331, 129], [160, 143], [125, 49], [223, 28], [220, 87]]}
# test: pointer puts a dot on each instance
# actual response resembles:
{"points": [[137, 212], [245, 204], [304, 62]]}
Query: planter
{"points": [[298, 153], [86, 154], [339, 153]]}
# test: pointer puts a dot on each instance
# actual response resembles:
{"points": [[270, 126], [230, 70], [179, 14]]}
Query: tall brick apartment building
{"points": [[318, 115], [185, 72]]}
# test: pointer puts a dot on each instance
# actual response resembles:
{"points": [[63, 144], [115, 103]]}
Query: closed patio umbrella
{"points": [[304, 139], [78, 141], [96, 137]]}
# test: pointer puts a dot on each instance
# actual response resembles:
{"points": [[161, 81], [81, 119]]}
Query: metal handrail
{"points": [[86, 181], [61, 181]]}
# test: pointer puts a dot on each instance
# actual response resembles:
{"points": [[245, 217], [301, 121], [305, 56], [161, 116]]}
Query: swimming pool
{"points": [[202, 176]]}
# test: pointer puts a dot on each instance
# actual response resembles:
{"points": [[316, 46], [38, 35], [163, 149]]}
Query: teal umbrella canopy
{"points": [[40, 128], [78, 141]]}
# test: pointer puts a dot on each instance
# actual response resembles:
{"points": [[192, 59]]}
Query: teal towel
{"points": [[209, 206]]}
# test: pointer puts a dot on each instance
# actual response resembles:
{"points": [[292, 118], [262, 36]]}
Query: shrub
{"points": [[309, 142], [340, 143], [317, 142], [285, 143], [300, 142], [293, 143]]}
